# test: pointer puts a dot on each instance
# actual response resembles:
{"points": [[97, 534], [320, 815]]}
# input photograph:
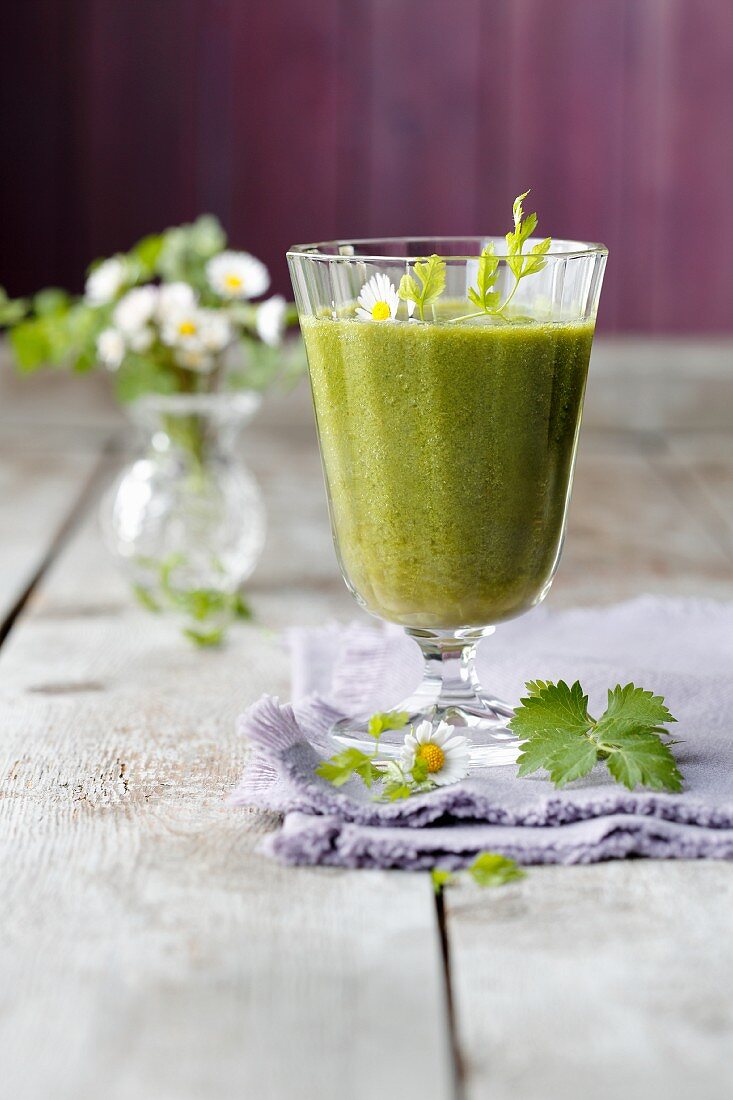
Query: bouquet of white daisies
{"points": [[176, 314]]}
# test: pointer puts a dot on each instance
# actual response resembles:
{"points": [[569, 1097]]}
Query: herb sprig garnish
{"points": [[561, 737], [398, 780], [431, 276], [483, 295], [342, 767]]}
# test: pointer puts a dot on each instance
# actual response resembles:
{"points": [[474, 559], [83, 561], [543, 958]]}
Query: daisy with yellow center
{"points": [[378, 300], [237, 275], [444, 752]]}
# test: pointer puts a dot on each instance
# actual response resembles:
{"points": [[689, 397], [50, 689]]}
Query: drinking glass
{"points": [[448, 434]]}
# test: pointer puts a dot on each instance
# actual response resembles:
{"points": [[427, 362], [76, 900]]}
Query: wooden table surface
{"points": [[149, 952]]}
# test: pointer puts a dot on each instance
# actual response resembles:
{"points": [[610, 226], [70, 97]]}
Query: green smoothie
{"points": [[448, 451]]}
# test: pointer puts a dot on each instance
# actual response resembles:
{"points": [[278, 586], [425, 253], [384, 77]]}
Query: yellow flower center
{"points": [[232, 282], [433, 756], [187, 328], [380, 311]]}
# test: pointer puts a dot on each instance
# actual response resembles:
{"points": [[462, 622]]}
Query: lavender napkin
{"points": [[682, 649]]}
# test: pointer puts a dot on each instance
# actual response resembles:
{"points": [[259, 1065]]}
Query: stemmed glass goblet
{"points": [[448, 435]]}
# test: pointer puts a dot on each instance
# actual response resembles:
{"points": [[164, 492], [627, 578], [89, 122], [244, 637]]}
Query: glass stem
{"points": [[449, 674]]}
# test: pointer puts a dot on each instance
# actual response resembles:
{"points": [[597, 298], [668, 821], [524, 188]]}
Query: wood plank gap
{"points": [[454, 1046], [84, 500]]}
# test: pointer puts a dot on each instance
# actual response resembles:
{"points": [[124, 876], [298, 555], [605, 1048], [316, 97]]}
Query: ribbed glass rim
{"points": [[318, 251]]}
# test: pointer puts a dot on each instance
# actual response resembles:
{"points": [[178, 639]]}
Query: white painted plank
{"points": [[606, 981], [38, 490], [148, 951]]}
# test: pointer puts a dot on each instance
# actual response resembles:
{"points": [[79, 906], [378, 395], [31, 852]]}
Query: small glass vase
{"points": [[185, 520]]}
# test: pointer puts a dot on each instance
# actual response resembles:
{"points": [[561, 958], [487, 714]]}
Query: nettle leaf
{"points": [[631, 708], [559, 736], [572, 759], [552, 708], [643, 759]]}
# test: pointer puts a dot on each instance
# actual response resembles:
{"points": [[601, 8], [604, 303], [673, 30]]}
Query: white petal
{"points": [[454, 743]]}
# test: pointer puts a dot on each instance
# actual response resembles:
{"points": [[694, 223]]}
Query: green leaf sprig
{"points": [[483, 295], [488, 869], [396, 782], [560, 736], [431, 284], [209, 611]]}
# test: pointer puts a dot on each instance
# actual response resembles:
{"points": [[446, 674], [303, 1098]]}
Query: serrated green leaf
{"points": [[518, 208], [431, 275], [391, 720], [483, 296], [642, 759], [552, 708], [520, 265], [572, 759], [492, 869], [631, 708], [342, 767], [393, 791], [559, 735]]}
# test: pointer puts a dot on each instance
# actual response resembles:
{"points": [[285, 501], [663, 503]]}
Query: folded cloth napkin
{"points": [[682, 649]]}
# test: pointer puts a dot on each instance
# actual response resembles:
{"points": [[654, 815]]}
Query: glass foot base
{"points": [[482, 720]]}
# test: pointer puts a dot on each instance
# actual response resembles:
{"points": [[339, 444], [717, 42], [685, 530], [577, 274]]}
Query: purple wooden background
{"points": [[309, 119]]}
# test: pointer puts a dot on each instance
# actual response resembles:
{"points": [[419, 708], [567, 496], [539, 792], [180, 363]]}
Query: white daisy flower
{"points": [[445, 753], [141, 340], [215, 330], [111, 348], [183, 330], [270, 320], [106, 281], [378, 300], [194, 359], [174, 298], [135, 309], [197, 331], [237, 275]]}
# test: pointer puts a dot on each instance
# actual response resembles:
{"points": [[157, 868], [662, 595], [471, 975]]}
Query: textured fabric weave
{"points": [[681, 649]]}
